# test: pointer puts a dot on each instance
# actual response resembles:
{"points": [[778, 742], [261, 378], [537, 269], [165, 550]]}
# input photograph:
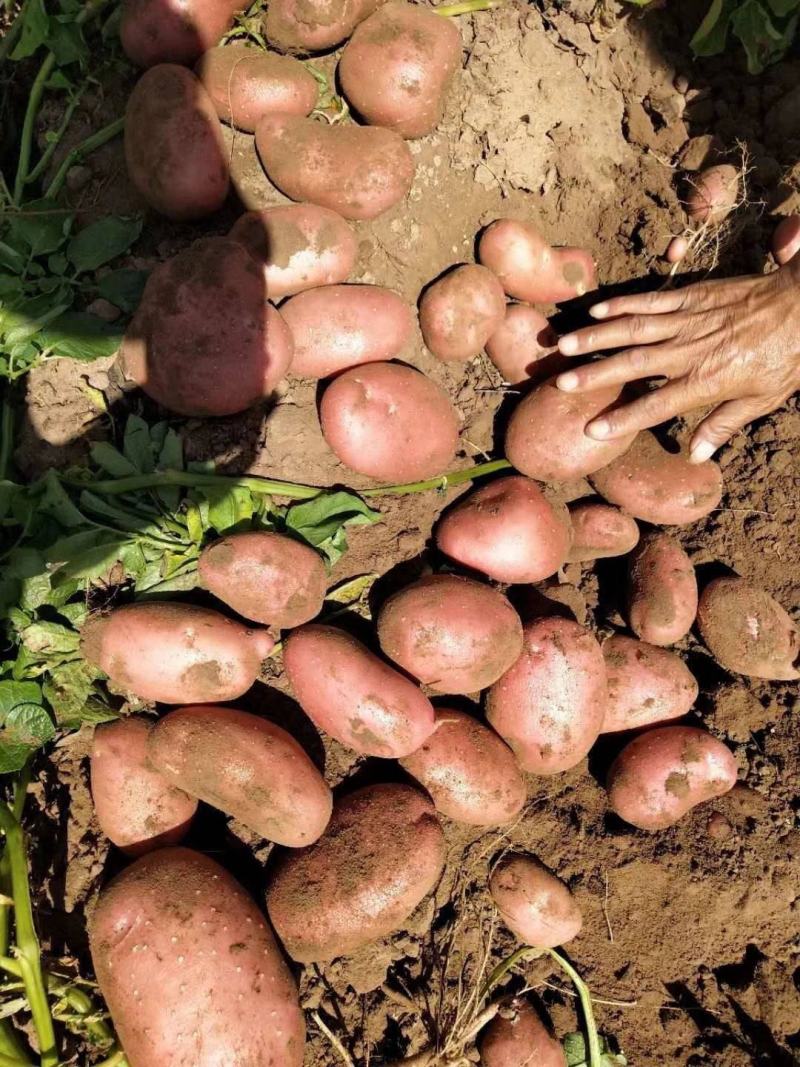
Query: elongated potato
{"points": [[533, 903], [517, 1037], [460, 312], [313, 25], [190, 970], [354, 696], [381, 855], [646, 685], [523, 346], [600, 531], [662, 590], [173, 31], [453, 634], [529, 269]]}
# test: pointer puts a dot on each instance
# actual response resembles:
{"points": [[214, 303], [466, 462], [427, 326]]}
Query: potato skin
{"points": [[460, 312], [173, 31], [353, 695], [304, 26], [517, 1037], [529, 269], [453, 634], [535, 905], [190, 970], [646, 685], [665, 772], [389, 422], [508, 530], [714, 194], [662, 590], [247, 767], [600, 531], [471, 776], [785, 242], [137, 808], [747, 630], [550, 704], [266, 577], [175, 653], [383, 852], [522, 347]]}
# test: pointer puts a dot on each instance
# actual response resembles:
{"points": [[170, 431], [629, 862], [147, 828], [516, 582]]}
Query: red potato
{"points": [[549, 706], [190, 970], [137, 808], [523, 346], [600, 531], [646, 685], [359, 171], [535, 905], [508, 530], [713, 194], [517, 1037], [662, 590], [313, 25], [389, 422], [529, 269], [381, 855], [341, 326], [747, 630], [471, 776], [786, 239], [460, 312], [453, 634], [173, 31], [265, 577], [175, 653], [355, 697], [665, 772], [245, 766]]}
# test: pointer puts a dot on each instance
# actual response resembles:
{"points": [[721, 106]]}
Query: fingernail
{"points": [[702, 451], [599, 311], [568, 345], [600, 429], [567, 382]]}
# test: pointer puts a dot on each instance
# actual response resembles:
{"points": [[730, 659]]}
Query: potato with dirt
{"points": [[173, 31], [305, 26], [382, 854], [647, 685], [190, 971], [517, 1037], [529, 269], [535, 905], [713, 194], [523, 347], [600, 532], [460, 312], [662, 590]]}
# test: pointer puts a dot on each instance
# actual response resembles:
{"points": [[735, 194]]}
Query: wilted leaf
{"points": [[352, 590]]}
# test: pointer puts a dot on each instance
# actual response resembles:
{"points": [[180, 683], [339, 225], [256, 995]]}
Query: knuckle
{"points": [[636, 326], [639, 359]]}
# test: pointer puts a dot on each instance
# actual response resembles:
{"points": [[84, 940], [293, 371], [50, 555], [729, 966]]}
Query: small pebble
{"points": [[681, 84], [78, 178], [718, 827], [99, 380], [104, 309]]}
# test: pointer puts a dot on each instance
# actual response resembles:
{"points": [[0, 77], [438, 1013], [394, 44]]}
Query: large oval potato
{"points": [[190, 970], [359, 171], [550, 704], [173, 31], [665, 772], [396, 68], [460, 312], [354, 696], [383, 852], [137, 808], [341, 326], [313, 25], [517, 1037], [175, 653], [508, 530], [600, 531], [523, 346], [747, 630], [646, 684], [247, 767], [470, 774], [662, 590], [529, 269], [453, 634], [533, 903], [389, 422]]}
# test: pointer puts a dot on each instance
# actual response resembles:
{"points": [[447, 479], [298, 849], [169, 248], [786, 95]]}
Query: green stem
{"points": [[34, 100], [506, 965], [585, 997], [444, 481], [79, 152], [465, 7], [117, 1059], [10, 1044], [13, 1061], [47, 155]]}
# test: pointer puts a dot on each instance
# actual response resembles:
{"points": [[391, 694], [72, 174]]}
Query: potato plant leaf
{"points": [[577, 1055], [712, 33], [763, 41], [24, 723], [101, 241]]}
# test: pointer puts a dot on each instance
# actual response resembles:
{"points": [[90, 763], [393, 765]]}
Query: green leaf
{"points": [[55, 501], [25, 728], [46, 638], [77, 335], [14, 693], [10, 257], [65, 40], [137, 446], [352, 590], [784, 7], [93, 563], [762, 41], [317, 520], [576, 1053], [170, 458], [111, 460], [194, 523], [42, 228], [35, 27], [67, 548], [102, 241], [26, 319], [228, 508], [123, 288], [712, 33]]}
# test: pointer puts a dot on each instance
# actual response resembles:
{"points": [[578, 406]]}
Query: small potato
{"points": [[662, 590], [747, 630], [190, 970], [470, 774], [523, 346], [659, 486], [713, 194], [389, 422], [359, 171], [173, 31], [313, 25], [460, 312], [529, 269], [245, 766], [137, 808], [677, 250], [517, 1037], [535, 905], [545, 438], [600, 531], [646, 685], [175, 653], [397, 66], [341, 326], [665, 772], [508, 530], [265, 577], [355, 697], [786, 239], [550, 704], [381, 855], [453, 634]]}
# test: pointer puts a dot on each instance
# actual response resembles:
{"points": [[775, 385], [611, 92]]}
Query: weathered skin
{"points": [[646, 684], [460, 312], [662, 590], [245, 84]]}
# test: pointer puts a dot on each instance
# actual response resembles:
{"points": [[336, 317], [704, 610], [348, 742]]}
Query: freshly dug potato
{"points": [[190, 970], [397, 66], [677, 250], [173, 31], [245, 84], [665, 772], [517, 1037], [535, 905], [713, 194], [662, 590], [340, 326], [383, 852], [470, 774], [174, 150], [786, 239], [266, 577], [355, 697], [460, 312], [359, 171], [454, 634], [508, 530], [389, 422], [175, 653], [222, 348], [550, 705], [245, 766], [529, 269], [137, 808], [545, 438], [646, 685], [523, 346], [313, 25], [600, 531], [747, 630]]}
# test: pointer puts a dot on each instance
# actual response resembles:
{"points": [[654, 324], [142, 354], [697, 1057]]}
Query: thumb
{"points": [[720, 426]]}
